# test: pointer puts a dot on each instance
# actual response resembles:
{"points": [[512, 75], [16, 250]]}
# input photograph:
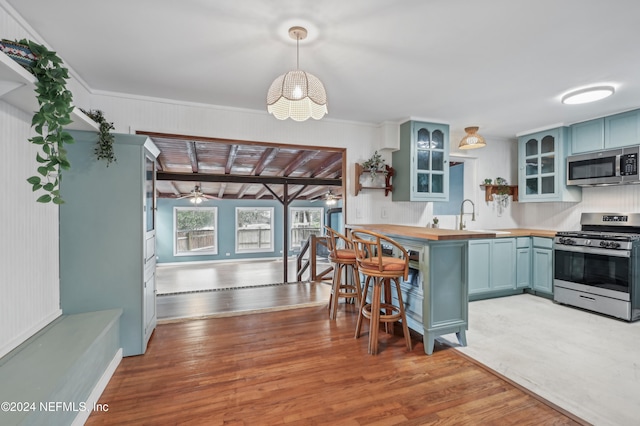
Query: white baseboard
{"points": [[93, 398]]}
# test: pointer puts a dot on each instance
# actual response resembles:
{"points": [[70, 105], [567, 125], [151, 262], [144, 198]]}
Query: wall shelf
{"points": [[388, 187], [17, 87], [489, 190]]}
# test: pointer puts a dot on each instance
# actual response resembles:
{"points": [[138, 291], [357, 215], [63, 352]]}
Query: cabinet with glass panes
{"points": [[422, 163], [542, 168]]}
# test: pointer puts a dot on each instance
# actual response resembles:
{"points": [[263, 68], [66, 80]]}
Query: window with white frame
{"points": [[195, 231], [254, 229], [305, 221]]}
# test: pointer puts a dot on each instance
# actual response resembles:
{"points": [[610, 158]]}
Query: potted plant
{"points": [[104, 148], [502, 195], [374, 165], [55, 103]]}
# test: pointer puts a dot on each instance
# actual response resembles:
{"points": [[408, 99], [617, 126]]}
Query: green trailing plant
{"points": [[104, 148], [503, 186], [55, 103], [375, 164]]}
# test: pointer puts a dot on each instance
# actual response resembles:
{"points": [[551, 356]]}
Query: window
{"points": [[254, 229], [195, 231], [305, 222]]}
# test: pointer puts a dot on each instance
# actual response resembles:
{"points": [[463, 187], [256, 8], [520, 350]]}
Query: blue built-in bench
{"points": [[57, 375]]}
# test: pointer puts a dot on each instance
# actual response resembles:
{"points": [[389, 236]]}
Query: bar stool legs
{"points": [[372, 311], [343, 289]]}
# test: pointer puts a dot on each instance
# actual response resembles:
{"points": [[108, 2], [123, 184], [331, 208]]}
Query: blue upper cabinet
{"points": [[587, 136], [622, 129], [542, 167], [614, 131], [422, 163]]}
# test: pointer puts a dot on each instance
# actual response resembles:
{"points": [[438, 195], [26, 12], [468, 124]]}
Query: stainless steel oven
{"points": [[597, 268]]}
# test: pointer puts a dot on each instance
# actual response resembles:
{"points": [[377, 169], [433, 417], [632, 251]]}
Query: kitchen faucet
{"points": [[473, 213]]}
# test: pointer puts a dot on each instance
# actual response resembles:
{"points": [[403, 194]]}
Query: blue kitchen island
{"points": [[436, 294]]}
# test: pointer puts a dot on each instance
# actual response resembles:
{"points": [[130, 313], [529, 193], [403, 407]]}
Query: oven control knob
{"points": [[587, 242], [604, 244], [614, 245]]}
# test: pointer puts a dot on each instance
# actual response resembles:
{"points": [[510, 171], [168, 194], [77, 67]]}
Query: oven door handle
{"points": [[594, 250]]}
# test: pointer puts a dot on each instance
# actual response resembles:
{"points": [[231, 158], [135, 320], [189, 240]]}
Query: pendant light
{"points": [[472, 140], [297, 94]]}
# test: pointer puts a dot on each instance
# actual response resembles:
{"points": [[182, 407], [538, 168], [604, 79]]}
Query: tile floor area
{"points": [[585, 363]]}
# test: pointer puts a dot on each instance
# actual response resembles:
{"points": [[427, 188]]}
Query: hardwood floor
{"points": [[298, 367], [242, 300]]}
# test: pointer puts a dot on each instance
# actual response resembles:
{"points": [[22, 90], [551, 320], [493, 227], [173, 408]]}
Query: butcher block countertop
{"points": [[439, 234]]}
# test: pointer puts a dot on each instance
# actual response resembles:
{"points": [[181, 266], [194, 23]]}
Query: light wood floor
{"points": [[297, 367]]}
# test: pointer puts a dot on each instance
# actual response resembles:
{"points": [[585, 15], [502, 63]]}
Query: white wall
{"points": [[29, 277], [29, 285]]}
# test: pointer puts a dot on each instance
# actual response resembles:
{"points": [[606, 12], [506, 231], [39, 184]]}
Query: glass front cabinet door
{"points": [[422, 163], [541, 167]]}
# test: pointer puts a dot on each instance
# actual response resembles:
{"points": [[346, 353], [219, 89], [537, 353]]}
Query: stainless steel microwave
{"points": [[608, 167]]}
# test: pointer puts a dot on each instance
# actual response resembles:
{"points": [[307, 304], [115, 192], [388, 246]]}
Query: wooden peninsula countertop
{"points": [[439, 234]]}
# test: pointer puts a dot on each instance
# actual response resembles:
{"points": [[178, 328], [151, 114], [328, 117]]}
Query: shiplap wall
{"points": [[29, 277], [29, 284]]}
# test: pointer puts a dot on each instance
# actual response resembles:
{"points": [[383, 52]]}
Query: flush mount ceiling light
{"points": [[472, 140], [589, 94], [297, 94]]}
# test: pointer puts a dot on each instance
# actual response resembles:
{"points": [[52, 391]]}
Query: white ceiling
{"points": [[499, 64]]}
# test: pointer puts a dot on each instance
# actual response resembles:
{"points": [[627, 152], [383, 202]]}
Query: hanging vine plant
{"points": [[55, 103], [104, 148]]}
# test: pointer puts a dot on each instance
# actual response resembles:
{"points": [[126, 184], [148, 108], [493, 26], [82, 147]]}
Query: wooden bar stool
{"points": [[343, 257], [381, 270]]}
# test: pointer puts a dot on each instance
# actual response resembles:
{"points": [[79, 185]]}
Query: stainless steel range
{"points": [[598, 268]]}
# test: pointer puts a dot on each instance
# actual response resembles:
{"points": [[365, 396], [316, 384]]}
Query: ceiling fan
{"points": [[330, 198], [197, 196]]}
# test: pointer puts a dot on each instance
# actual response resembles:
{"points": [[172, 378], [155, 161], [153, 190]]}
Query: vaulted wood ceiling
{"points": [[232, 169]]}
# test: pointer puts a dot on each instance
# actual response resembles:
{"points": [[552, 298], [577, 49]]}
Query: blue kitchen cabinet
{"points": [[480, 266], [542, 167], [421, 165], [492, 267], [523, 262], [614, 131], [622, 129], [542, 266], [587, 136]]}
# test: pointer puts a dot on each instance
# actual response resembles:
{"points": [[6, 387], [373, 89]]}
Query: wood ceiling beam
{"points": [[267, 157], [223, 187], [243, 190], [279, 180], [193, 156], [331, 163], [301, 159], [231, 158]]}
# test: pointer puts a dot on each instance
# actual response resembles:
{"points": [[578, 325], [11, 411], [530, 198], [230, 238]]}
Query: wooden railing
{"points": [[311, 262]]}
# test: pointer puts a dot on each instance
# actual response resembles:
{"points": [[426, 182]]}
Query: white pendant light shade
{"points": [[472, 140], [297, 95]]}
